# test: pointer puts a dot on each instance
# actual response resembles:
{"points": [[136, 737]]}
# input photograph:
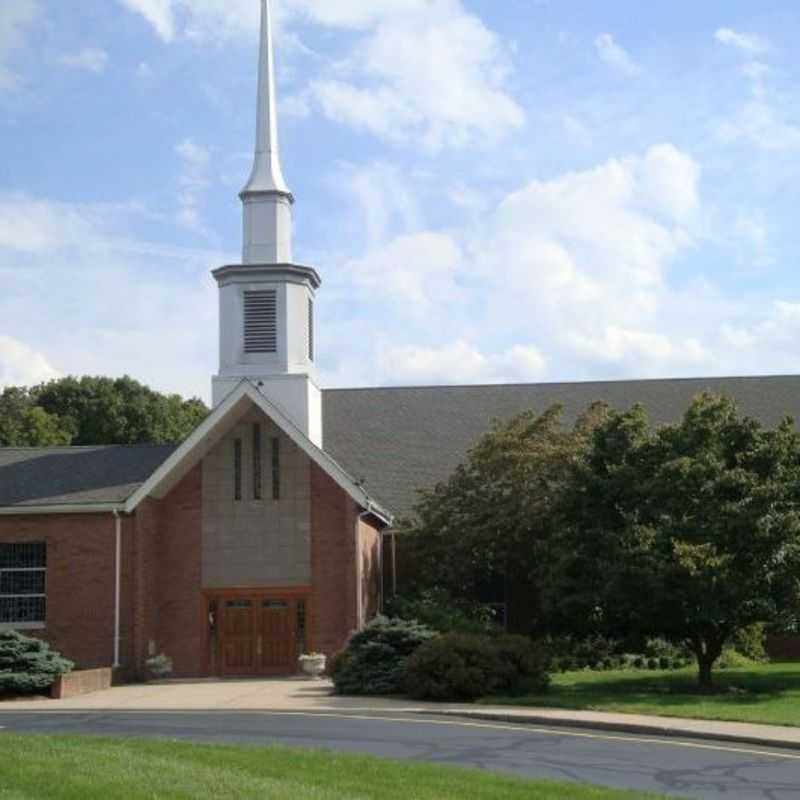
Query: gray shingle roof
{"points": [[400, 440], [75, 475], [396, 440]]}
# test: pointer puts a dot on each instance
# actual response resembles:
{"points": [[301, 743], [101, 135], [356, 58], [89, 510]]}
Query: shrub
{"points": [[652, 663], [750, 642], [465, 666], [436, 609], [28, 665], [374, 661], [662, 648], [592, 651], [732, 659]]}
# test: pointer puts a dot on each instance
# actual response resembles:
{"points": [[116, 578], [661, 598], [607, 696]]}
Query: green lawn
{"points": [[85, 768], [767, 693]]}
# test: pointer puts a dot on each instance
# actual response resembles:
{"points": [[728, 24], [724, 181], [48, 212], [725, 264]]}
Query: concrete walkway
{"points": [[307, 696]]}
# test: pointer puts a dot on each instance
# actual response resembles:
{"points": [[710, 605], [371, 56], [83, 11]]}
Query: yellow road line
{"points": [[642, 739]]}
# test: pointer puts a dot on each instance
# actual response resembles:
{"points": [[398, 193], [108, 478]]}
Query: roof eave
{"points": [[62, 508]]}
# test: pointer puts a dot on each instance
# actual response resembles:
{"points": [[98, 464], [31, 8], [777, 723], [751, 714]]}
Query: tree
{"points": [[24, 424], [94, 411], [489, 529], [691, 530]]}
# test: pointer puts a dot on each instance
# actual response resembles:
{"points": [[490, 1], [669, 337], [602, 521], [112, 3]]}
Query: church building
{"points": [[262, 535]]}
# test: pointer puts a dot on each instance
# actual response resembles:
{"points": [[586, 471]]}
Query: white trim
{"points": [[245, 389], [65, 508]]}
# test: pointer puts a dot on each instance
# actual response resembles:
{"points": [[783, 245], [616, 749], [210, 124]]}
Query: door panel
{"points": [[257, 635], [276, 633], [237, 637]]}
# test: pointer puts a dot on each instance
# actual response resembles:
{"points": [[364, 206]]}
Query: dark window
{"points": [[261, 321], [256, 462], [310, 329], [23, 584], [300, 626], [237, 469], [276, 468]]}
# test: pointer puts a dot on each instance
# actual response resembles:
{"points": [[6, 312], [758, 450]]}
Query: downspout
{"points": [[117, 582], [359, 573]]}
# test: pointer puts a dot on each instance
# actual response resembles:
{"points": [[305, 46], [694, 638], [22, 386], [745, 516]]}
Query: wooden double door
{"points": [[258, 634]]}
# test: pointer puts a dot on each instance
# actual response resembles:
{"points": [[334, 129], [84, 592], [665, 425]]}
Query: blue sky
{"points": [[492, 191]]}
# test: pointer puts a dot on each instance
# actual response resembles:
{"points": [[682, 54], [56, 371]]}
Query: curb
{"points": [[640, 729]]}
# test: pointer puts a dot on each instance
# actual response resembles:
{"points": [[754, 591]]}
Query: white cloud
{"points": [[422, 72], [90, 59], [32, 226], [752, 229], [576, 268], [615, 55], [457, 362], [21, 365], [159, 13], [193, 182], [76, 285], [415, 272], [15, 18], [749, 43], [760, 123], [425, 74]]}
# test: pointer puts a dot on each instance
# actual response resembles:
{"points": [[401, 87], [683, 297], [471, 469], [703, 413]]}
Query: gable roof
{"points": [[394, 441], [213, 428], [64, 477], [403, 439]]}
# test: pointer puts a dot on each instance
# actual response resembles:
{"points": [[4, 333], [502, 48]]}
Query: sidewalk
{"points": [[305, 696]]}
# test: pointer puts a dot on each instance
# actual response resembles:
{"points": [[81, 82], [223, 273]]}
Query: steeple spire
{"points": [[267, 175], [266, 197]]}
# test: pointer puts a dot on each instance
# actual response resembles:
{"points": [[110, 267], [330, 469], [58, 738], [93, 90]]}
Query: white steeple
{"points": [[266, 197], [266, 303]]}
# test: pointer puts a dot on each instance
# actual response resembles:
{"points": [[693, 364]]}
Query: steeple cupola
{"points": [[266, 303]]}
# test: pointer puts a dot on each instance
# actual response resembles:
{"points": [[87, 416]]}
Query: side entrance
{"points": [[257, 632]]}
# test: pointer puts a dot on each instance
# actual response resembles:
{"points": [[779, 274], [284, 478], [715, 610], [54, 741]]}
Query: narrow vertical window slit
{"points": [[276, 468], [256, 462], [237, 469]]}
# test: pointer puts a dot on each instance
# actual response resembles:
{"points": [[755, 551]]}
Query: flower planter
{"points": [[313, 665]]}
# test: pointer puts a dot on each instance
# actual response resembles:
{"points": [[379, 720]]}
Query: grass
{"points": [[83, 768], [767, 693]]}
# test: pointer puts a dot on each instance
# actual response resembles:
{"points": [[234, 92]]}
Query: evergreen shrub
{"points": [[374, 661], [28, 665]]}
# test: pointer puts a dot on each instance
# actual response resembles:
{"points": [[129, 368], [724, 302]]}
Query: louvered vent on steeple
{"points": [[261, 321]]}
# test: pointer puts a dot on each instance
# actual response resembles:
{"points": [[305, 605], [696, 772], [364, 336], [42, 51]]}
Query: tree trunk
{"points": [[704, 676], [707, 652]]}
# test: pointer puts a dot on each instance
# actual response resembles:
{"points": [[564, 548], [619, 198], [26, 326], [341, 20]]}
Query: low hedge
{"points": [[463, 667]]}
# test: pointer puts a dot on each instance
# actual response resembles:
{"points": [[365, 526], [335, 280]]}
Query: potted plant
{"points": [[313, 664], [159, 667]]}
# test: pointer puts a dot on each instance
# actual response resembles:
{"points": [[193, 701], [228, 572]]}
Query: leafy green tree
{"points": [[491, 526], [24, 424], [691, 530], [119, 410], [94, 411]]}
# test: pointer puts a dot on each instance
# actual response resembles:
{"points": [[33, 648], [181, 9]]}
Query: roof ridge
{"points": [[592, 382]]}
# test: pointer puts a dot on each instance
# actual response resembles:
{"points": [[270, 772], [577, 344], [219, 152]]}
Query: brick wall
{"points": [[333, 563], [80, 581], [182, 627]]}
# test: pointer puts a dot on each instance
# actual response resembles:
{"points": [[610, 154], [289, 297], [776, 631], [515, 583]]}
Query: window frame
{"points": [[28, 624]]}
